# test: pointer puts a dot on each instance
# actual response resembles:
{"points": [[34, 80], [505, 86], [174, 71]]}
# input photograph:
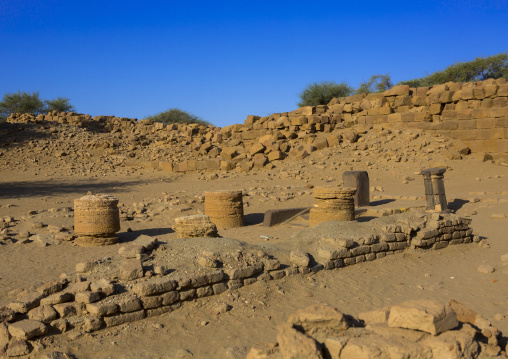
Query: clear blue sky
{"points": [[224, 60]]}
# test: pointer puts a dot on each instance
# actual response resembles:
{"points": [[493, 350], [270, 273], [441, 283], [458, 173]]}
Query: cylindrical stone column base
{"points": [[96, 220], [225, 208], [332, 204]]}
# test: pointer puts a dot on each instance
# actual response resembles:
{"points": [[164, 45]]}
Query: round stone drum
{"points": [[96, 220], [332, 204], [225, 208]]}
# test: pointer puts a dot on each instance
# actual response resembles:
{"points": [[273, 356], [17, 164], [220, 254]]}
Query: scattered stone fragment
{"points": [[43, 313], [17, 347], [27, 328], [131, 270], [426, 315], [486, 269], [293, 344], [299, 258]]}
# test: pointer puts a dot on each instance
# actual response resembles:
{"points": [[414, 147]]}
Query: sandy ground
{"points": [[477, 190]]}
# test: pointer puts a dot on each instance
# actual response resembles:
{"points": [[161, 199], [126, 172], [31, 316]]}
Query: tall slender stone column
{"points": [[434, 189]]}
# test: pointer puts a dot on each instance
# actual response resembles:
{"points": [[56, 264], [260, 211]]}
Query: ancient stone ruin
{"points": [[434, 189], [85, 302], [474, 114], [147, 277], [225, 208], [332, 204], [414, 329], [96, 220]]}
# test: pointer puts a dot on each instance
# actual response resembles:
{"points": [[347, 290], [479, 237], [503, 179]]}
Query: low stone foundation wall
{"points": [[82, 303]]}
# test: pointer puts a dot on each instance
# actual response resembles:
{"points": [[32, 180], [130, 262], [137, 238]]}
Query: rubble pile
{"points": [[415, 329], [474, 114]]}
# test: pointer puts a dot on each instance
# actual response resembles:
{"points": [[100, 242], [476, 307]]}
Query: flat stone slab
{"points": [[422, 314], [27, 328], [278, 216]]}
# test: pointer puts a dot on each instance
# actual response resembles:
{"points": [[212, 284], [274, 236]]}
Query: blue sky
{"points": [[224, 60]]}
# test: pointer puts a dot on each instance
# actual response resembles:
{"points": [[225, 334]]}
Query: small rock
{"points": [[17, 348], [27, 328], [498, 316], [131, 270], [299, 258], [486, 269]]}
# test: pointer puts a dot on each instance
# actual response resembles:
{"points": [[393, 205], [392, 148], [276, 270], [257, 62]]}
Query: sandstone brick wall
{"points": [[476, 112]]}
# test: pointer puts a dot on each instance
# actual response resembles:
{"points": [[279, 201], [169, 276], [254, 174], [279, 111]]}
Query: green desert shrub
{"points": [[481, 68], [25, 102], [321, 93], [376, 83], [175, 115], [60, 104]]}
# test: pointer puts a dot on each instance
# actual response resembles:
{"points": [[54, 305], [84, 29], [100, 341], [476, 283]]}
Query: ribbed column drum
{"points": [[225, 208], [332, 204], [96, 220]]}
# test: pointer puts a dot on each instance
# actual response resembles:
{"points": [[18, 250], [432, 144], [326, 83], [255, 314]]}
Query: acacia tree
{"points": [[60, 104], [22, 102], [25, 102], [175, 115], [321, 93], [376, 83]]}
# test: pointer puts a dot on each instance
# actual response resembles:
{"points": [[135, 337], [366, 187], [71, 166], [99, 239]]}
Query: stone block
{"points": [[147, 242], [131, 270], [277, 216], [27, 328], [124, 318], [129, 305], [69, 309], [50, 287], [400, 90], [320, 143], [256, 148], [102, 309], [43, 313], [276, 156], [318, 318], [244, 272], [104, 286], [154, 286], [293, 344], [299, 258], [499, 112], [333, 140], [87, 297], [360, 181], [425, 315], [198, 225], [57, 298]]}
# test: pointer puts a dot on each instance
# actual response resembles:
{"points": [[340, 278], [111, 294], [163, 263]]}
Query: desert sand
{"points": [[38, 186]]}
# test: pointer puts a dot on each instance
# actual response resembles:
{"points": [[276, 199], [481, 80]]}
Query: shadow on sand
{"points": [[57, 187], [381, 202], [152, 232], [253, 218]]}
